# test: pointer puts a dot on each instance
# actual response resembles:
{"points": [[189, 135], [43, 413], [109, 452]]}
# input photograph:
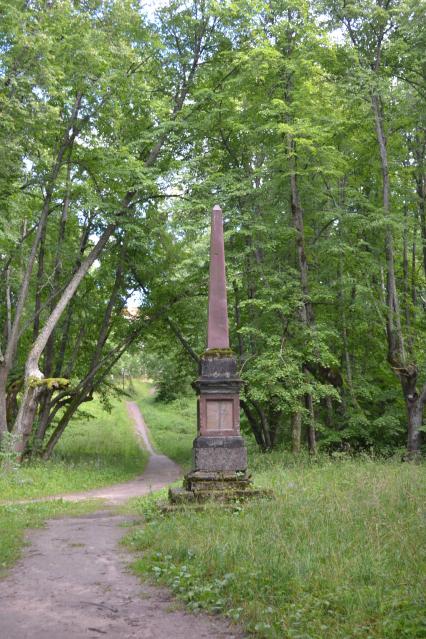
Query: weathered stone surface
{"points": [[219, 413], [218, 376], [198, 485], [217, 329], [219, 454], [178, 496], [218, 367], [219, 442]]}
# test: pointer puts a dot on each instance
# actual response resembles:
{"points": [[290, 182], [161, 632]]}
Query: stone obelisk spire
{"points": [[219, 455], [217, 328]]}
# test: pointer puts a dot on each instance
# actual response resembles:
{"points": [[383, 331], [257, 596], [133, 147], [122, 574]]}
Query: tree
{"points": [[101, 139]]}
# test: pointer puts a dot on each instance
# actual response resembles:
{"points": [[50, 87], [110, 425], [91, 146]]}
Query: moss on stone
{"points": [[218, 352]]}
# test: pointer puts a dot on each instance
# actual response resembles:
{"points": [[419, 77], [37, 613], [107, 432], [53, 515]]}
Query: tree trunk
{"points": [[306, 312], [33, 376], [85, 390], [420, 178], [4, 373], [407, 372], [296, 432], [415, 421], [43, 420], [254, 423], [312, 443], [414, 403], [13, 336], [39, 285], [61, 426]]}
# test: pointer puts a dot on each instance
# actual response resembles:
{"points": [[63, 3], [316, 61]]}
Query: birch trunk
{"points": [[33, 376]]}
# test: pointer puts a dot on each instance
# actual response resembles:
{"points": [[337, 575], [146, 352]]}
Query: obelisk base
{"points": [[200, 487], [219, 454]]}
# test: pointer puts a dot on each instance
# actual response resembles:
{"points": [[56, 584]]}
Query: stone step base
{"points": [[229, 494], [199, 481]]}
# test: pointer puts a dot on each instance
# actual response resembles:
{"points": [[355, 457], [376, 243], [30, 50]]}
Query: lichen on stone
{"points": [[218, 352]]}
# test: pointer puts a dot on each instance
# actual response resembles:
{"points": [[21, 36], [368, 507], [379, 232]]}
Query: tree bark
{"points": [[84, 391], [33, 376], [13, 337], [420, 178], [306, 311], [296, 432], [397, 357], [254, 424]]}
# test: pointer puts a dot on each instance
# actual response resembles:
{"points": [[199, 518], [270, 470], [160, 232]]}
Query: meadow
{"points": [[339, 553], [172, 426], [92, 453]]}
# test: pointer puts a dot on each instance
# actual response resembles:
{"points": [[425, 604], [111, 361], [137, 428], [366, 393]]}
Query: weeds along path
{"points": [[72, 581]]}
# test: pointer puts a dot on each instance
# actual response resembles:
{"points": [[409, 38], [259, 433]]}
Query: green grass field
{"points": [[91, 453], [338, 554]]}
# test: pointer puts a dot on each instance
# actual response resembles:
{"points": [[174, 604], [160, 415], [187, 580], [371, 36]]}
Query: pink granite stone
{"points": [[217, 330]]}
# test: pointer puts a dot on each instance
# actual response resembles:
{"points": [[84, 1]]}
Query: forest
{"points": [[123, 123]]}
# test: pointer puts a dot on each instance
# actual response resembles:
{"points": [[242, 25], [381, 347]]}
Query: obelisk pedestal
{"points": [[219, 455]]}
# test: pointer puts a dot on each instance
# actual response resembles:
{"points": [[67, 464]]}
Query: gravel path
{"points": [[72, 581]]}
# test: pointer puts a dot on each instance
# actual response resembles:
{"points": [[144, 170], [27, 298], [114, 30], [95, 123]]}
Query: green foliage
{"points": [[231, 103], [293, 79]]}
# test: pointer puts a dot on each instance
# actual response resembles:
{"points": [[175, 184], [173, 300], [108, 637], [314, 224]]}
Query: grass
{"points": [[16, 518], [172, 426], [338, 554], [91, 453]]}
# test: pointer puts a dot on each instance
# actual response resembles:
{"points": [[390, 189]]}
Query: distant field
{"points": [[172, 426], [338, 554], [92, 453]]}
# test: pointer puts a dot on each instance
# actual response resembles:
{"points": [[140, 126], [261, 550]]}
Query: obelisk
{"points": [[219, 465]]}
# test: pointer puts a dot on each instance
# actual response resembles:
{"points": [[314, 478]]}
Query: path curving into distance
{"points": [[73, 582], [159, 472]]}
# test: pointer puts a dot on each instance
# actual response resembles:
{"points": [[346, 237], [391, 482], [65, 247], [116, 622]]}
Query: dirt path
{"points": [[159, 472], [140, 425], [72, 581]]}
